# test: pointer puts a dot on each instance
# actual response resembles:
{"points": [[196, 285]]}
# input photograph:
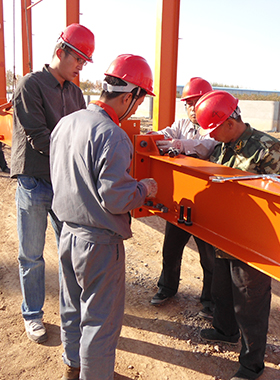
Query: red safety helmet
{"points": [[196, 87], [133, 69], [214, 108], [80, 39]]}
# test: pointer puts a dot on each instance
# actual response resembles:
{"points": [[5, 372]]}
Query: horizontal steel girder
{"points": [[6, 123], [241, 217]]}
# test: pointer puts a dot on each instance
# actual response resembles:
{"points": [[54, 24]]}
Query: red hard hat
{"points": [[80, 39], [196, 87], [133, 69], [214, 108]]}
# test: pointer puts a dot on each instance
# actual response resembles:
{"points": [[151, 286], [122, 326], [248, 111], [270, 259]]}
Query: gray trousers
{"points": [[92, 302]]}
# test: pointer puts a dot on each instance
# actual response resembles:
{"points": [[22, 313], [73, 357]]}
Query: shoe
{"points": [[214, 336], [35, 330], [6, 170], [240, 376], [237, 377], [206, 313], [159, 298], [71, 373]]}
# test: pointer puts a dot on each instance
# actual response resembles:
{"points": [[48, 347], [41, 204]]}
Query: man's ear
{"points": [[58, 53], [230, 122], [127, 97]]}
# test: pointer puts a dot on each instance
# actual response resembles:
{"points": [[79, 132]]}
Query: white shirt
{"points": [[193, 141]]}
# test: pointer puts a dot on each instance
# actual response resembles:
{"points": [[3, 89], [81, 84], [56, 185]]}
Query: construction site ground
{"points": [[156, 343]]}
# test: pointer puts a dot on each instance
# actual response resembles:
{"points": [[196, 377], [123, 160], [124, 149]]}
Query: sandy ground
{"points": [[156, 343]]}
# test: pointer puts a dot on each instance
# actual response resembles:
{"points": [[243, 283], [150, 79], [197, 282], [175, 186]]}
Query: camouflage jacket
{"points": [[254, 151]]}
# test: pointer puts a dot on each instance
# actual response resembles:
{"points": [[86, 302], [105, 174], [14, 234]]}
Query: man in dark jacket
{"points": [[40, 100]]}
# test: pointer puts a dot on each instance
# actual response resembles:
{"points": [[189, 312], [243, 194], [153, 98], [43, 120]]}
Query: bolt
{"points": [[188, 222], [181, 216], [173, 152], [143, 143], [159, 206], [149, 203]]}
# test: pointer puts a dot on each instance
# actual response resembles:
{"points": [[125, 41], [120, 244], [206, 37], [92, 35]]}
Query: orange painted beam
{"points": [[165, 85], [73, 16], [240, 217], [26, 35], [132, 128], [6, 123]]}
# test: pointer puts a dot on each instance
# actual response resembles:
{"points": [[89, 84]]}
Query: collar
{"points": [[52, 80], [108, 109], [241, 142]]}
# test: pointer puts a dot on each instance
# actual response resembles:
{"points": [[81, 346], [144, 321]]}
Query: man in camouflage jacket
{"points": [[241, 293]]}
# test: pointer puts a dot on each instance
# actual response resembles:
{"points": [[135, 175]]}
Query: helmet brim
{"points": [[78, 52], [191, 97]]}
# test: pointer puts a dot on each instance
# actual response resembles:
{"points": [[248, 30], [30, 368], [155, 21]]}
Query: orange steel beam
{"points": [[240, 217], [26, 35], [3, 96], [73, 16], [166, 63], [132, 128], [6, 123]]}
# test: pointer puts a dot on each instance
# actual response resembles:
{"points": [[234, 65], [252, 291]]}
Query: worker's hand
{"points": [[151, 187], [167, 144]]}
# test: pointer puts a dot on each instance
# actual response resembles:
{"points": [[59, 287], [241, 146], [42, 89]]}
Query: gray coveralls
{"points": [[93, 194]]}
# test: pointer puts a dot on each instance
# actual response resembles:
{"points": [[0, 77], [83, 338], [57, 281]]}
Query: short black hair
{"points": [[237, 118], [61, 45]]}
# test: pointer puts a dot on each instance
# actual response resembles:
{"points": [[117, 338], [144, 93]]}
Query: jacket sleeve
{"points": [[270, 159], [202, 148], [173, 132], [29, 110]]}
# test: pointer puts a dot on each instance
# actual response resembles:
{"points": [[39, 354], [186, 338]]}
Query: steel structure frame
{"points": [[240, 217]]}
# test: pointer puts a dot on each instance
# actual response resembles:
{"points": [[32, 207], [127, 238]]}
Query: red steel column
{"points": [[26, 27], [166, 63], [73, 16]]}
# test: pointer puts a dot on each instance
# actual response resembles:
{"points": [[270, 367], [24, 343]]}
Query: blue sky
{"points": [[225, 41]]}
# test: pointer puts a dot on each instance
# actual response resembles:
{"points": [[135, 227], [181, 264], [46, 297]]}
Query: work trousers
{"points": [[3, 162], [242, 297], [34, 201], [174, 242], [91, 302]]}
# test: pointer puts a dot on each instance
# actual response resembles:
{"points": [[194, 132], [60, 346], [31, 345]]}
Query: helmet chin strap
{"points": [[131, 104]]}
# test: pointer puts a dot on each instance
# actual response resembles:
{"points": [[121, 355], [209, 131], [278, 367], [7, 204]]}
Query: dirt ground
{"points": [[156, 343]]}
